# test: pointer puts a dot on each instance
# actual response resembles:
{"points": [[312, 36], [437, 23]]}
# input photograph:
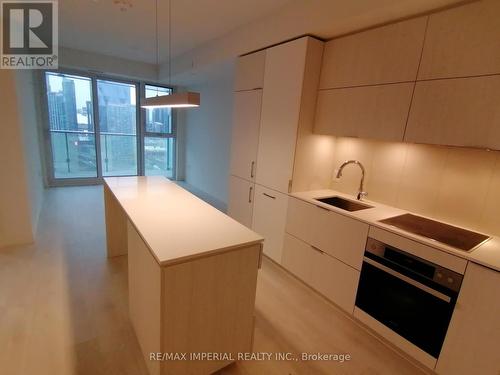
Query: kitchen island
{"points": [[192, 274]]}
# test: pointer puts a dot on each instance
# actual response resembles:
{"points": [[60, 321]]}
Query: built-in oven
{"points": [[412, 296]]}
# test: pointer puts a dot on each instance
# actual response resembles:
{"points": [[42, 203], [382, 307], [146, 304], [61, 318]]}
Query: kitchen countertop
{"points": [[175, 224], [486, 254]]}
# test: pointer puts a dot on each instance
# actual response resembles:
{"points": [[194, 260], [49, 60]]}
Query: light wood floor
{"points": [[63, 308]]}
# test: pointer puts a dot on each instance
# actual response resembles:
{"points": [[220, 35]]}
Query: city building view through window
{"points": [[117, 126], [71, 123], [101, 133], [158, 143]]}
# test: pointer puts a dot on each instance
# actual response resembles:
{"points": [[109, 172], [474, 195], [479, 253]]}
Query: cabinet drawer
{"points": [[297, 258], [338, 235], [335, 280]]}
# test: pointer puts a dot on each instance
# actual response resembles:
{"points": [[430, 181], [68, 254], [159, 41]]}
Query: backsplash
{"points": [[457, 185]]}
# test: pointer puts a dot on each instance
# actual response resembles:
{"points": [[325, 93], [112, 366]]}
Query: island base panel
{"points": [[144, 289], [116, 225], [203, 305]]}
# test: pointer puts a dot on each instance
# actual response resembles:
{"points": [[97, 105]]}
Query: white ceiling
{"points": [[101, 26]]}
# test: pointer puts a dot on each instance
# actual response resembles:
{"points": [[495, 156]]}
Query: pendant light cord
{"points": [[169, 42], [157, 41]]}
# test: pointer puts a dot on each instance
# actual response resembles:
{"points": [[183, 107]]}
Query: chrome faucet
{"points": [[361, 192]]}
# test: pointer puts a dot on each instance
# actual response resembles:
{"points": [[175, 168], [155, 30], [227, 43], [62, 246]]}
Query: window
{"points": [[71, 126], [117, 125], [158, 136], [97, 129]]}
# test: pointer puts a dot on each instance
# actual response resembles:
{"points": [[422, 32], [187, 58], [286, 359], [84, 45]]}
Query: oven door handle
{"points": [[407, 279]]}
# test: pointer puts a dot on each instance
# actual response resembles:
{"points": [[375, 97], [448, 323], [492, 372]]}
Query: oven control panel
{"points": [[440, 275]]}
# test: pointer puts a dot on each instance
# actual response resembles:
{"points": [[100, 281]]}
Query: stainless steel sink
{"points": [[345, 204]]}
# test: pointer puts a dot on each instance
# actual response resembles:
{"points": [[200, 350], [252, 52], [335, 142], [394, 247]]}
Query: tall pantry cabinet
{"points": [[273, 89], [245, 135]]}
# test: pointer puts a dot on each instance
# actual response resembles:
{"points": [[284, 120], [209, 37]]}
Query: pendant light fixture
{"points": [[174, 100]]}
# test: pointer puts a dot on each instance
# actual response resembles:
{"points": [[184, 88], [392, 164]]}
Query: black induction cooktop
{"points": [[459, 238]]}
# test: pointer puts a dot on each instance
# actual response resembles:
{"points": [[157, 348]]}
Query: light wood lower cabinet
{"points": [[335, 280], [471, 344], [340, 236], [298, 258], [269, 219], [240, 202]]}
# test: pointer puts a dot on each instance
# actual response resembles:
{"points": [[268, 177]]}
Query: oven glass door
{"points": [[420, 317]]}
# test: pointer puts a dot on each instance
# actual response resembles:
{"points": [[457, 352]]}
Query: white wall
{"points": [[76, 59], [21, 186], [29, 108], [18, 171], [208, 136]]}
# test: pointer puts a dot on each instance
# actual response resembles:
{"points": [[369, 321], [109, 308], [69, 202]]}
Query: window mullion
{"points": [[141, 126], [97, 128]]}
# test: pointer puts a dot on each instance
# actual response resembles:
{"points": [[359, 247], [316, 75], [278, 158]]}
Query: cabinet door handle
{"points": [[250, 194], [252, 166], [317, 249], [269, 196]]}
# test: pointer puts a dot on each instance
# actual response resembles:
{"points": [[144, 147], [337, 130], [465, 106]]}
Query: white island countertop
{"points": [[486, 254], [176, 225]]}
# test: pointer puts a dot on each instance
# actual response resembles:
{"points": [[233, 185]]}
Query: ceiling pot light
{"points": [[177, 99]]}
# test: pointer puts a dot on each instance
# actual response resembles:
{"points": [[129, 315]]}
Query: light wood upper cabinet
{"points": [[250, 71], [386, 54], [377, 112], [462, 41], [335, 234], [269, 219], [471, 344], [367, 80], [245, 133], [456, 112], [240, 202]]}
